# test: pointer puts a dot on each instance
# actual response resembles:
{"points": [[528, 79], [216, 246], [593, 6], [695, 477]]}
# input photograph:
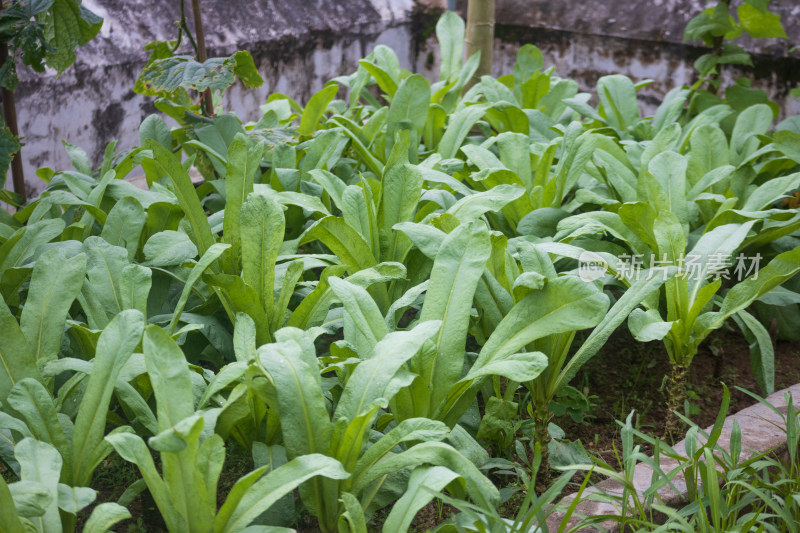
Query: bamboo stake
{"points": [[480, 35]]}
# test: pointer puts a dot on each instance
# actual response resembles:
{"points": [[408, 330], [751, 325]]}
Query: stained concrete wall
{"points": [[300, 44]]}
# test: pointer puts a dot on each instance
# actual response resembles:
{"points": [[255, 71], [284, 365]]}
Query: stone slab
{"points": [[762, 431]]}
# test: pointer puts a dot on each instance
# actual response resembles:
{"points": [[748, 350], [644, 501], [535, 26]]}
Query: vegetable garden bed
{"points": [[413, 293]]}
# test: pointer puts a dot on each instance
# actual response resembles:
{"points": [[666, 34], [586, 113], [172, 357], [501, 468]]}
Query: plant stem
{"points": [[716, 49], [542, 417], [676, 395], [480, 36], [10, 114], [200, 38]]}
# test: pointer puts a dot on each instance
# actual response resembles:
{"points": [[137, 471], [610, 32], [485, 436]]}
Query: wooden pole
{"points": [[200, 38], [10, 114], [480, 35]]}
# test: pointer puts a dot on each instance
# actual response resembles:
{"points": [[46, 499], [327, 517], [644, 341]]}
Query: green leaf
{"points": [[24, 242], [781, 268], [116, 344], [632, 298], [245, 69], [458, 267], [352, 519], [183, 188], [242, 164], [450, 34], [55, 284], [261, 228], [40, 462], [762, 352], [104, 517], [153, 127], [460, 123], [372, 376], [305, 422], [647, 325], [618, 101], [478, 486], [423, 484], [73, 499], [400, 193], [169, 248], [362, 315], [211, 255], [761, 24], [9, 519], [67, 25], [315, 109], [166, 76], [16, 359], [133, 449], [9, 145], [124, 225], [564, 304], [344, 241], [236, 514], [169, 376]]}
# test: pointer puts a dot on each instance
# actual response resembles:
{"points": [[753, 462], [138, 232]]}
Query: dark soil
{"points": [[629, 376]]}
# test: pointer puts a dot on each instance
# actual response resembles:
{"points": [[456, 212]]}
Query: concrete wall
{"points": [[300, 44]]}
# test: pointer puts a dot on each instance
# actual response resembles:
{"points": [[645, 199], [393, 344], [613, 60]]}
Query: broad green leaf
{"points": [[523, 366], [66, 26], [458, 127], [259, 496], [423, 485], [242, 164], [781, 268], [315, 109], [116, 344], [169, 376], [632, 298], [40, 462], [564, 304], [362, 314], [400, 193], [16, 359], [104, 517], [480, 489], [305, 422], [211, 255], [73, 499], [761, 24], [55, 284], [450, 34], [474, 206], [647, 325], [343, 241], [408, 110], [23, 243], [261, 227], [124, 225], [371, 377], [458, 267], [183, 188], [168, 248], [134, 287], [618, 101]]}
